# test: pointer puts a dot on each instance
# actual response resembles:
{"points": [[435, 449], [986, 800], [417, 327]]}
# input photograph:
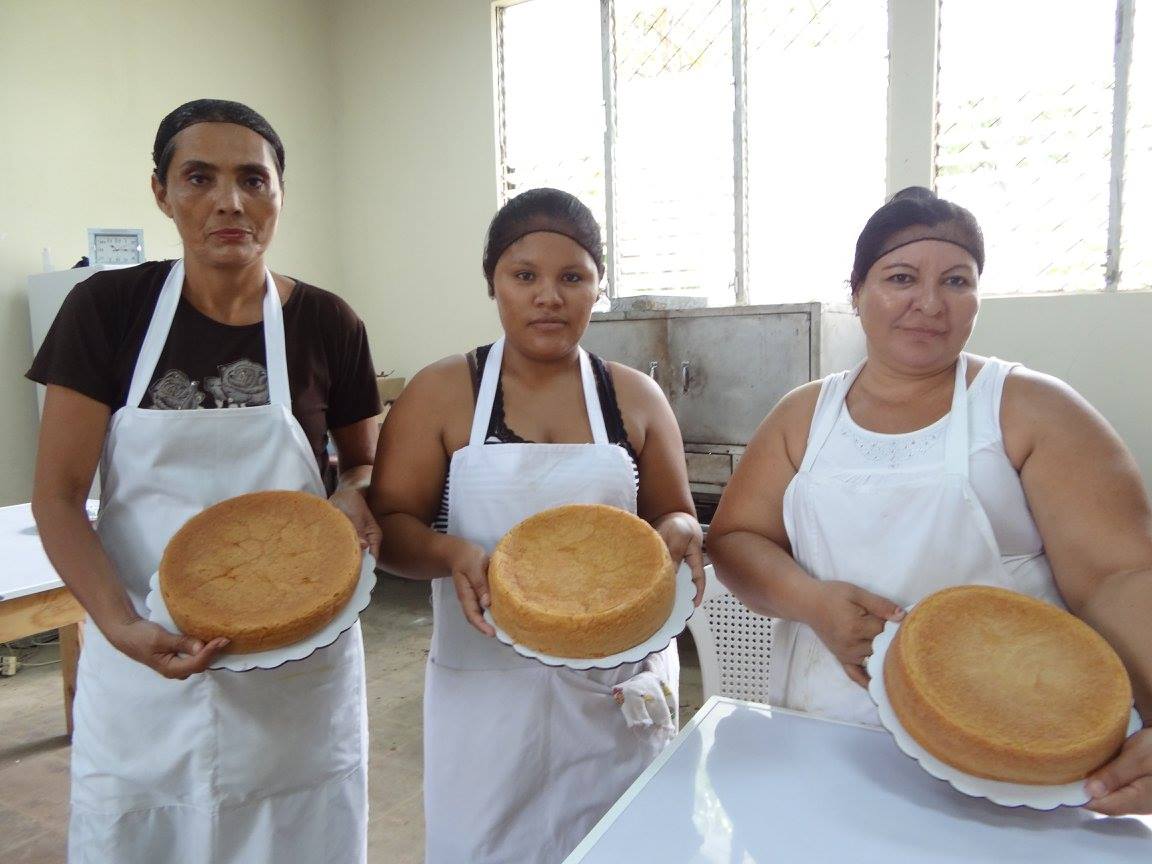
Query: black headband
{"points": [[533, 224], [955, 233], [210, 111]]}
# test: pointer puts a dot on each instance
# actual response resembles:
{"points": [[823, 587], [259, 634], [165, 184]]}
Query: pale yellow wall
{"points": [[83, 85], [417, 180]]}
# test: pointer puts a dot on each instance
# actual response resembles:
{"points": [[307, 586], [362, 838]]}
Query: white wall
{"points": [[83, 86], [1101, 344]]}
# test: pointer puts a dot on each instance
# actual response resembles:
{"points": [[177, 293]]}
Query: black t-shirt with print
{"points": [[93, 344]]}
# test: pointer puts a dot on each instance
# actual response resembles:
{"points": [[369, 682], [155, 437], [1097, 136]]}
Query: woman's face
{"points": [[545, 285], [918, 305], [223, 192]]}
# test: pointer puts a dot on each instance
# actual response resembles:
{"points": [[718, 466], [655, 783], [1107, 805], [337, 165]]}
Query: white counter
{"points": [[24, 568], [743, 783]]}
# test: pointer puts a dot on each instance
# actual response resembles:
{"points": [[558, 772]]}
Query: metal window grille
{"points": [[551, 109], [1024, 137], [817, 94], [673, 148], [721, 128], [725, 145]]}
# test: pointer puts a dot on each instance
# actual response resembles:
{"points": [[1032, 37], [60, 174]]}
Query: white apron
{"points": [[522, 759], [260, 766], [901, 535]]}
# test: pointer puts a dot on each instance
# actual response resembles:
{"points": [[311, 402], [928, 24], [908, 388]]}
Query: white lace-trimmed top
{"points": [[857, 455]]}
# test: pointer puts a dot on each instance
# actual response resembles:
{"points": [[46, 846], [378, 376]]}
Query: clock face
{"points": [[111, 247]]}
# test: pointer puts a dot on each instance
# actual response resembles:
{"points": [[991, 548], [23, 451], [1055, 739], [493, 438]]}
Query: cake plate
{"points": [[999, 792], [682, 608], [322, 638]]}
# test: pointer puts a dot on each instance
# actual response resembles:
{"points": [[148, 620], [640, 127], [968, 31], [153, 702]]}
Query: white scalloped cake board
{"points": [[322, 638], [682, 608], [999, 792]]}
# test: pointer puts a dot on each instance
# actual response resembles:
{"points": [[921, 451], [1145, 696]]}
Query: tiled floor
{"points": [[34, 752]]}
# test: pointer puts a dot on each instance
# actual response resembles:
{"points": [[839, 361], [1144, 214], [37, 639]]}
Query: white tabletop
{"points": [[743, 783], [24, 568]]}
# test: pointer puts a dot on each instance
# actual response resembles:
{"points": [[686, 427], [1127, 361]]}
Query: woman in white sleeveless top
{"points": [[925, 467], [522, 759]]}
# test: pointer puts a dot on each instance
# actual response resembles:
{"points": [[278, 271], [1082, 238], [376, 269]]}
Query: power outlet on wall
{"points": [[8, 666]]}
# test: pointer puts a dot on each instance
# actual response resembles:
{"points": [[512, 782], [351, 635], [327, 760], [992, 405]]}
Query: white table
{"points": [[33, 598], [744, 783]]}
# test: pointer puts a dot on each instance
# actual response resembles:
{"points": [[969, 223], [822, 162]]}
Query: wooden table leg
{"points": [[55, 609], [71, 642]]}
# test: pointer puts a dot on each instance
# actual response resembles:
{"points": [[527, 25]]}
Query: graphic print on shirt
{"points": [[240, 384]]}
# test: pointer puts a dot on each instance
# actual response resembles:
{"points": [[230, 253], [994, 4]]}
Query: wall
{"points": [[1101, 344], [83, 86], [417, 182]]}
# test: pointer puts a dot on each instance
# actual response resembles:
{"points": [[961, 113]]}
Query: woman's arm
{"points": [[664, 499], [355, 450], [72, 432], [1086, 496], [749, 545], [408, 479]]}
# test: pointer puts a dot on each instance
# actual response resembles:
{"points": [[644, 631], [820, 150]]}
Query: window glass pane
{"points": [[1024, 136], [1136, 239], [552, 99], [674, 158], [817, 121]]}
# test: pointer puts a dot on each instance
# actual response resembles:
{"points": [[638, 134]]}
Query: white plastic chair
{"points": [[733, 644]]}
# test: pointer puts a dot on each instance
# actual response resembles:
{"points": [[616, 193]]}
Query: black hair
{"points": [[915, 207], [542, 209], [209, 111]]}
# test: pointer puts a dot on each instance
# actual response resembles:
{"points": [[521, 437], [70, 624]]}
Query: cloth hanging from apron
{"points": [[260, 766], [522, 759], [901, 535]]}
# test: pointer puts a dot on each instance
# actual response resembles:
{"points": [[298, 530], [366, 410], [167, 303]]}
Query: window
{"points": [[1025, 137], [817, 122], [673, 149], [551, 109], [734, 148], [726, 131]]}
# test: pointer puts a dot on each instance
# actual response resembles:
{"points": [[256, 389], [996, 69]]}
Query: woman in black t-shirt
{"points": [[190, 382]]}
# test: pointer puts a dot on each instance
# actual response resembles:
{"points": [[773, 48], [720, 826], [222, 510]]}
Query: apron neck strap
{"points": [[275, 354], [486, 397], [828, 406], [592, 400], [956, 437], [157, 334]]}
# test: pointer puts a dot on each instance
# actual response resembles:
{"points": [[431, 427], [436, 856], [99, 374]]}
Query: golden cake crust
{"points": [[264, 570], [583, 580], [1007, 687]]}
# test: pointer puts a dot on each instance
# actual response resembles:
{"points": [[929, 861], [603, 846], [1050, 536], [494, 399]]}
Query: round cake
{"points": [[264, 570], [583, 580], [1007, 687]]}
